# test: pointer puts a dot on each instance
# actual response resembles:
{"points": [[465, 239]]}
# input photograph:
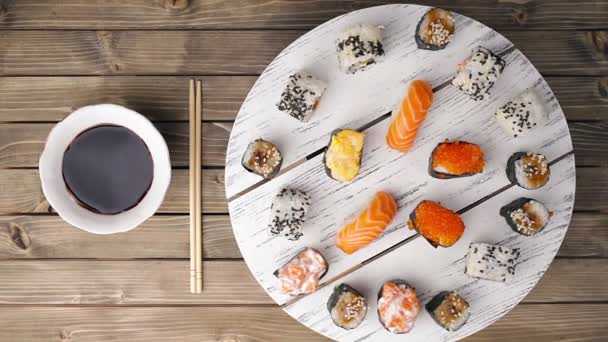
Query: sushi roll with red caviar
{"points": [[347, 307], [449, 309], [528, 170], [262, 158], [438, 225], [398, 306], [526, 216], [435, 30], [302, 273], [456, 159]]}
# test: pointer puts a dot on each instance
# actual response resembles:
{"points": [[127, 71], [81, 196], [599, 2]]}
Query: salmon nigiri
{"points": [[369, 225], [409, 116]]}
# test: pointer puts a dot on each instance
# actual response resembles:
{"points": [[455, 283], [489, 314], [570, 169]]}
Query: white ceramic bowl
{"points": [[54, 187]]}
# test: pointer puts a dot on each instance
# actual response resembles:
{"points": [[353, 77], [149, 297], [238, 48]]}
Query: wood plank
{"points": [[22, 144], [20, 192], [590, 142], [29, 53], [162, 237], [163, 282], [540, 322], [186, 324], [201, 14], [163, 98]]}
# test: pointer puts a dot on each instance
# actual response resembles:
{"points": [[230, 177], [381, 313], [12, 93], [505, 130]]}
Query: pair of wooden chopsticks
{"points": [[196, 229]]}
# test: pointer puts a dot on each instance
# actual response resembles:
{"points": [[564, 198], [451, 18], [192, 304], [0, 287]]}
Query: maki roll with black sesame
{"points": [[347, 307], [435, 30], [491, 262], [360, 46], [398, 306], [301, 96], [449, 309], [528, 170], [288, 213], [478, 74], [262, 158], [526, 216], [521, 115], [302, 273], [438, 225], [342, 158], [456, 159]]}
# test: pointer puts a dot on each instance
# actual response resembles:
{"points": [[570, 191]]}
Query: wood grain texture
{"points": [[590, 142], [60, 53], [163, 98], [164, 282], [204, 14]]}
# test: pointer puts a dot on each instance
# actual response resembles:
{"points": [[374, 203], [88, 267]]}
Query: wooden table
{"points": [[59, 283]]}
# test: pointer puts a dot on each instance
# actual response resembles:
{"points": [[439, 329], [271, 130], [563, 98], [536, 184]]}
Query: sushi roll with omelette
{"points": [[343, 155], [528, 170], [347, 307]]}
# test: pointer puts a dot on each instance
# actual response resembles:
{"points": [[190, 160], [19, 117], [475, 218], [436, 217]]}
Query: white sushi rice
{"points": [[360, 46], [288, 213], [491, 262], [522, 114], [478, 74], [301, 95]]}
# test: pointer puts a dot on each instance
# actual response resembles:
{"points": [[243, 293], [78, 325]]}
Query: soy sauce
{"points": [[108, 169]]}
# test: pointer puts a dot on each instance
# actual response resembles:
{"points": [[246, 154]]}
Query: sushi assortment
{"points": [[398, 307]]}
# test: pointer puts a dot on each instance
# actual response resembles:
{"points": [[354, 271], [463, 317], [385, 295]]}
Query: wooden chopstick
{"points": [[196, 251], [198, 208], [192, 121]]}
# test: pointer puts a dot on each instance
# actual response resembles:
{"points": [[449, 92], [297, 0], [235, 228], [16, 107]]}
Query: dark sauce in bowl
{"points": [[108, 169]]}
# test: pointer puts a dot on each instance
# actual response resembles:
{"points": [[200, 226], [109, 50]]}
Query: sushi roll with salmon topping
{"points": [[456, 159], [398, 306], [435, 30], [478, 74], [347, 307], [526, 216], [409, 115], [369, 225], [491, 262], [301, 96], [262, 158], [342, 158], [360, 46], [302, 273], [438, 225], [522, 114], [528, 170], [288, 213], [450, 310]]}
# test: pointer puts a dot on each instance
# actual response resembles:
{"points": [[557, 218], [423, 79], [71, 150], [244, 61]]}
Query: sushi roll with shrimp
{"points": [[398, 306], [262, 158], [435, 30], [342, 158], [528, 170], [438, 225], [491, 262], [526, 216], [478, 74], [301, 96], [288, 213], [302, 273], [347, 307], [360, 46], [456, 159], [449, 309], [522, 114]]}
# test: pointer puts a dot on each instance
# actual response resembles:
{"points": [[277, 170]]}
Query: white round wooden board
{"points": [[352, 101]]}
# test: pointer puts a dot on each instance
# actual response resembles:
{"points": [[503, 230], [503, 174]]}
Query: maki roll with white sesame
{"points": [[491, 262], [347, 307], [526, 216], [528, 170], [301, 96], [262, 158], [449, 309], [398, 306], [456, 159], [342, 158], [435, 30], [302, 273], [360, 46], [478, 74], [288, 213], [521, 115]]}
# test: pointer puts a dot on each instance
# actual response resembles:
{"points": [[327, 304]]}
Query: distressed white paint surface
{"points": [[354, 100], [431, 270], [351, 100]]}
